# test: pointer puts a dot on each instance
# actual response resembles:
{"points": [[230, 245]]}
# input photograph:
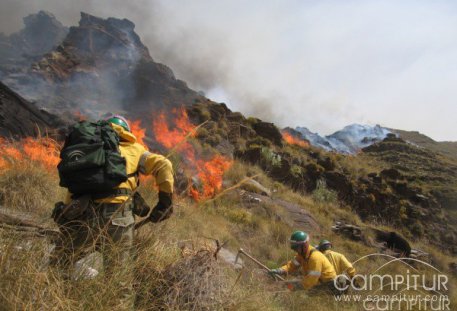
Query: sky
{"points": [[322, 64]]}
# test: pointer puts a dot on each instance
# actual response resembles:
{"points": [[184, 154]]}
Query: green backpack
{"points": [[90, 160]]}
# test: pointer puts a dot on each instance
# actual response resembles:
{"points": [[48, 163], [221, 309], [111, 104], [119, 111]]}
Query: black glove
{"points": [[163, 209], [274, 272], [140, 207]]}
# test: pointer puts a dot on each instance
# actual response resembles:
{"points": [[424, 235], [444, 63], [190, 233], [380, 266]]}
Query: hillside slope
{"points": [[391, 182], [448, 148], [265, 187]]}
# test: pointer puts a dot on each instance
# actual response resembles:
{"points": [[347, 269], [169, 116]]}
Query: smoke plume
{"points": [[319, 64]]}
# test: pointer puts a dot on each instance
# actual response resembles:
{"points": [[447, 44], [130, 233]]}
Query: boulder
{"points": [[393, 241], [421, 199], [340, 183], [326, 162], [268, 131], [391, 173], [252, 155], [400, 187], [351, 231]]}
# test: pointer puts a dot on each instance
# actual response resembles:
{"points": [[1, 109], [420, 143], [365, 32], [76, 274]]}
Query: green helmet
{"points": [[324, 245], [324, 242], [297, 239], [119, 120]]}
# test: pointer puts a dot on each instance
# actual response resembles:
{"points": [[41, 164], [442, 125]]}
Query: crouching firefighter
{"points": [[100, 163], [343, 268], [318, 273]]}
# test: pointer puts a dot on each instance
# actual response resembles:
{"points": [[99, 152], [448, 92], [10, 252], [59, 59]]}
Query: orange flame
{"points": [[170, 138], [176, 137], [138, 131], [209, 172], [81, 117], [44, 151], [294, 140]]}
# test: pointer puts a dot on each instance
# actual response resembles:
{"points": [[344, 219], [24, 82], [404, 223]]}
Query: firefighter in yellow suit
{"points": [[317, 270], [108, 223], [338, 260]]}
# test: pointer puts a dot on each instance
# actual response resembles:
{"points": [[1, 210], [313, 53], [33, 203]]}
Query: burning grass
{"points": [[164, 278], [138, 131], [174, 133], [290, 139], [43, 151]]}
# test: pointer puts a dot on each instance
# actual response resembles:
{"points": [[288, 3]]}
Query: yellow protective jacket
{"points": [[138, 159], [316, 268], [340, 263]]}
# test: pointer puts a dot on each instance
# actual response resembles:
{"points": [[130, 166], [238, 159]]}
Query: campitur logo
{"points": [[413, 289]]}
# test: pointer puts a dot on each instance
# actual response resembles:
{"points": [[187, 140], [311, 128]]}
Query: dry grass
{"points": [[361, 165], [31, 188], [164, 278]]}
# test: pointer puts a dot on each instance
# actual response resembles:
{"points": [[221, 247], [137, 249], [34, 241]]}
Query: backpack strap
{"points": [[110, 194], [135, 174]]}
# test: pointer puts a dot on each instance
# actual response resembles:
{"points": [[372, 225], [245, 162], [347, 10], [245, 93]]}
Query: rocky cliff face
{"points": [[41, 34], [20, 118], [100, 66]]}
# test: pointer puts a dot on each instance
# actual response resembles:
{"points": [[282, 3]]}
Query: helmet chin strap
{"points": [[304, 248]]}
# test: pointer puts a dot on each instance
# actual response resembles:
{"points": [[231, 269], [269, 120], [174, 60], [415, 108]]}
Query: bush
{"points": [[417, 229], [324, 195], [270, 158]]}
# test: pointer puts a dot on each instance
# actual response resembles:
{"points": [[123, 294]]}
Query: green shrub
{"points": [[296, 171], [324, 195], [270, 158], [417, 229]]}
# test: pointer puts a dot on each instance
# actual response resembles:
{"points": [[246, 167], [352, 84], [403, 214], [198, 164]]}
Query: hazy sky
{"points": [[320, 64]]}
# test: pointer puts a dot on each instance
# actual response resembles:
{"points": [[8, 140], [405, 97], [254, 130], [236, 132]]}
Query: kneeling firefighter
{"points": [[100, 166], [343, 268], [338, 260], [317, 270]]}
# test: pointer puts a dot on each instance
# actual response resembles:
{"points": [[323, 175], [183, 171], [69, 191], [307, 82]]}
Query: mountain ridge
{"points": [[368, 181]]}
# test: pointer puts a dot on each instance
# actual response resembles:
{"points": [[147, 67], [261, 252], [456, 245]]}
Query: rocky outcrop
{"points": [[390, 195], [393, 241], [42, 33], [268, 130], [20, 118], [102, 66], [297, 217], [340, 183]]}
